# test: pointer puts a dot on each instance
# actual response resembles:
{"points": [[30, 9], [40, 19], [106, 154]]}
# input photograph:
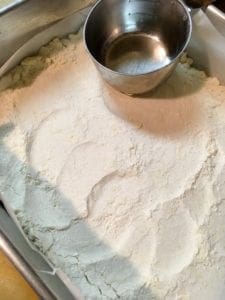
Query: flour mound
{"points": [[124, 194]]}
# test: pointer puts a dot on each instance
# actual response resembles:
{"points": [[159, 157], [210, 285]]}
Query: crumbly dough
{"points": [[124, 195]]}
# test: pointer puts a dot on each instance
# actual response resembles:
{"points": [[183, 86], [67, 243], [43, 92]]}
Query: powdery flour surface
{"points": [[125, 195]]}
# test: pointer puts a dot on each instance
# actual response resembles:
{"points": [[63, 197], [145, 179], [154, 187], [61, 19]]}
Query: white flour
{"points": [[128, 203]]}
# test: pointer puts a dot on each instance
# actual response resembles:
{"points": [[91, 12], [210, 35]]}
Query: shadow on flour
{"points": [[184, 81], [165, 117], [91, 261], [168, 110]]}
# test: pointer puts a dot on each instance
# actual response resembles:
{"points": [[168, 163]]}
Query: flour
{"points": [[124, 195]]}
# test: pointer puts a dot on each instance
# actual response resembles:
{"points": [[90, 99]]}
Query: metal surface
{"points": [[24, 21], [135, 44], [217, 17], [31, 264], [7, 5], [208, 44], [60, 28]]}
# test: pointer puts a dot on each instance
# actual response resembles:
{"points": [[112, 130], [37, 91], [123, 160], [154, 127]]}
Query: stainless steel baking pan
{"points": [[208, 42], [20, 20], [217, 17], [206, 47]]}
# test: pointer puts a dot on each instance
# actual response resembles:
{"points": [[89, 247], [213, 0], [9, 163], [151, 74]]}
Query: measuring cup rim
{"points": [[188, 14]]}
